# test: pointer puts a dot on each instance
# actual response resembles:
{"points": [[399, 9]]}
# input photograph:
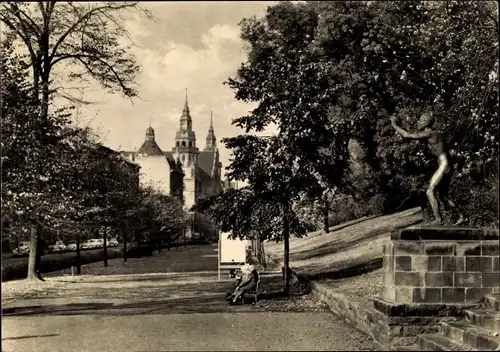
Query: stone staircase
{"points": [[478, 331]]}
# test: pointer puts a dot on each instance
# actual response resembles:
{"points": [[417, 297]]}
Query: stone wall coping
{"points": [[423, 309], [445, 233]]}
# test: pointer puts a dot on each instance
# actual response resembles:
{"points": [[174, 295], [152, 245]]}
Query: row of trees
{"points": [[327, 74], [57, 176]]}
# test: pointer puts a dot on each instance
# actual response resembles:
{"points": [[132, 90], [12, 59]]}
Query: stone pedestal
{"points": [[431, 274]]}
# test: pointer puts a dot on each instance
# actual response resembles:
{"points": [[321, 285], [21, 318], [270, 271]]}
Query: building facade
{"points": [[186, 171]]}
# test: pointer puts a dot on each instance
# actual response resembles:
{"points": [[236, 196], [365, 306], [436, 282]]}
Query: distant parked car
{"points": [[71, 246], [58, 247], [113, 242], [96, 243], [23, 248], [86, 245]]}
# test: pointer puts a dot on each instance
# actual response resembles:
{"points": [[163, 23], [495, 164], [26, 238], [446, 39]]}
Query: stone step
{"points": [[439, 342], [487, 319], [493, 301], [470, 335]]}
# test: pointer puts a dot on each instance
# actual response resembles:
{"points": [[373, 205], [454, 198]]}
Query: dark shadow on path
{"points": [[28, 337], [190, 305], [195, 298]]}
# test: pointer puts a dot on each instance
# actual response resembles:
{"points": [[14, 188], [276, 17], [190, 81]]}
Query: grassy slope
{"points": [[345, 246]]}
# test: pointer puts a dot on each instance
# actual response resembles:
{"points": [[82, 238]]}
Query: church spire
{"points": [[211, 141], [185, 137], [186, 106], [186, 121]]}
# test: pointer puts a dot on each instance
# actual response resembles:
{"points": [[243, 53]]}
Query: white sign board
{"points": [[232, 253]]}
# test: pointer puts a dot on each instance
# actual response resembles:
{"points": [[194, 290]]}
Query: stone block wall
{"points": [[430, 271]]}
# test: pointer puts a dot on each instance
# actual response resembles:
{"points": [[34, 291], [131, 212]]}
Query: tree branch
{"points": [[81, 19], [16, 11], [80, 57]]}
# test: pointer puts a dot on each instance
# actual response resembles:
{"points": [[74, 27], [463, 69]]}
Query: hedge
{"points": [[19, 270]]}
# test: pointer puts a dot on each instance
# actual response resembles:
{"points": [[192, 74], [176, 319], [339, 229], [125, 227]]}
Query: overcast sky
{"points": [[193, 45]]}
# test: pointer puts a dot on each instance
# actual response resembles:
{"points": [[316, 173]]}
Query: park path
{"points": [[176, 312], [167, 311]]}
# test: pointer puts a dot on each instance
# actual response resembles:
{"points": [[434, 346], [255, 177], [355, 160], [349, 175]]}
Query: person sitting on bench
{"points": [[248, 283]]}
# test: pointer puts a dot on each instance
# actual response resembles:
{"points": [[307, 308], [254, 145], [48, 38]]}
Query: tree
{"points": [[166, 214], [406, 56], [39, 186], [342, 68], [83, 35], [284, 77], [30, 169]]}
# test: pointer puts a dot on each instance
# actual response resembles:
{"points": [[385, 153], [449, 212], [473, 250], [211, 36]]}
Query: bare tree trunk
{"points": [[45, 96], [32, 261], [38, 257], [105, 248], [326, 225], [36, 81], [286, 256], [124, 235], [78, 257], [262, 254]]}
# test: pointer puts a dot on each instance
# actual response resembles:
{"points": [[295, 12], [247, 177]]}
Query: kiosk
{"points": [[232, 253]]}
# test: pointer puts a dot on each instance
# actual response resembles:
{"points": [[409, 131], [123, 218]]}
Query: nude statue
{"points": [[440, 181]]}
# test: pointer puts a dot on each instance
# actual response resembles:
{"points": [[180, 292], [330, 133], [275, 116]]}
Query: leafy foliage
{"points": [[404, 57], [86, 36], [326, 73], [160, 214]]}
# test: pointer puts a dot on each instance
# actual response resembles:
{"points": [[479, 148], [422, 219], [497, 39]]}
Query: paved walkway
{"points": [[174, 312], [178, 332]]}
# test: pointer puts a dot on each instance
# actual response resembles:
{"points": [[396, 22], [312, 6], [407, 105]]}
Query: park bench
{"points": [[254, 292]]}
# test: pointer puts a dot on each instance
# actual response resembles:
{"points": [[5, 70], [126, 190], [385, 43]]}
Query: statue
{"points": [[440, 181]]}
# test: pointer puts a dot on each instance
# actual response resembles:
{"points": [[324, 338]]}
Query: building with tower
{"points": [[185, 171]]}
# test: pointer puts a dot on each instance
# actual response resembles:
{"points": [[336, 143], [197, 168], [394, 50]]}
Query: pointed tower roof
{"points": [[185, 135], [186, 121], [211, 140], [149, 147]]}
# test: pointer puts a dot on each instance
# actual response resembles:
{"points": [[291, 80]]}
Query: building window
{"points": [[192, 172], [183, 144], [177, 143], [183, 158], [190, 144]]}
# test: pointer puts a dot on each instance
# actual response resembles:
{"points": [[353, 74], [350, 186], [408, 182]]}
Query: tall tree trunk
{"points": [[45, 72], [36, 81], [78, 256], [326, 225], [45, 96], [38, 257], [262, 254], [32, 261], [286, 256], [124, 236], [105, 248]]}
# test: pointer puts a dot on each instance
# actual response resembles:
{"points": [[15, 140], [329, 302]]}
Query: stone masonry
{"points": [[458, 268], [431, 275]]}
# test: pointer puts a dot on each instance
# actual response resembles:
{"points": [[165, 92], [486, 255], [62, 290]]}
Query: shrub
{"points": [[19, 270], [479, 200]]}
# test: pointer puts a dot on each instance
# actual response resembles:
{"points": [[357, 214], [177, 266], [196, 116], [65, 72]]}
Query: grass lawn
{"points": [[325, 257]]}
